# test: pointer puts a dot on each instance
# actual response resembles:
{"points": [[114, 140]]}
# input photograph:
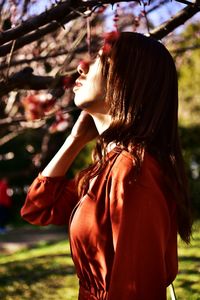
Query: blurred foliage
{"points": [[26, 164], [188, 66]]}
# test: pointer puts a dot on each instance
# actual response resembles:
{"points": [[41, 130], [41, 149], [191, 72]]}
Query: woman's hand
{"points": [[84, 129]]}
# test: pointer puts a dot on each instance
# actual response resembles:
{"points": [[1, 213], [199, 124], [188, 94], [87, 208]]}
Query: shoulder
{"points": [[125, 166], [145, 191]]}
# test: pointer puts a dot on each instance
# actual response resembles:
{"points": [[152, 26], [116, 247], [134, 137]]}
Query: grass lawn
{"points": [[46, 272], [187, 283]]}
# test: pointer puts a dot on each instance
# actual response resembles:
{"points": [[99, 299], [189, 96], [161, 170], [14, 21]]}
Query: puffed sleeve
{"points": [[50, 201], [140, 227]]}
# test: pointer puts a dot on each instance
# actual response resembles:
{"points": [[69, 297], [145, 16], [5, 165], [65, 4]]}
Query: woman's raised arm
{"points": [[84, 131]]}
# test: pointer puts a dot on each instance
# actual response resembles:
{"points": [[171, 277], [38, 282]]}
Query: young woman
{"points": [[123, 211]]}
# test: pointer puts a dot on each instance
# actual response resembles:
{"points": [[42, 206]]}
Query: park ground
{"points": [[36, 264]]}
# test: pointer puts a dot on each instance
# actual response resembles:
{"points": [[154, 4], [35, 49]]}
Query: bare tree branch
{"points": [[10, 57], [1, 5], [34, 123], [65, 12], [41, 58], [79, 50], [184, 49], [20, 80], [189, 3], [35, 58], [10, 136], [158, 5], [180, 18], [12, 120], [26, 80], [36, 35], [57, 13]]}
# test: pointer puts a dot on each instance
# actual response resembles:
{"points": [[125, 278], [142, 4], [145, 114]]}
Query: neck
{"points": [[102, 121]]}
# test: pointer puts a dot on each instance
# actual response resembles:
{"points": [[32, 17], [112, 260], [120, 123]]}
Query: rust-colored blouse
{"points": [[123, 233]]}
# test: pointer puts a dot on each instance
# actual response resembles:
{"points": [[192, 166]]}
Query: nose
{"points": [[83, 67]]}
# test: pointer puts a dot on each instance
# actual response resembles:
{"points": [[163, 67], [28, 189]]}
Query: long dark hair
{"points": [[142, 92]]}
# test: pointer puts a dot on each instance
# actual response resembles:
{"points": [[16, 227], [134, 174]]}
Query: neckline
{"points": [[116, 149]]}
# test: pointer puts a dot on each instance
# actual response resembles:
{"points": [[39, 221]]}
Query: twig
{"points": [[29, 38], [59, 14], [180, 18], [10, 120], [19, 119], [10, 58], [10, 102], [40, 58], [71, 51], [184, 49], [26, 80], [10, 136], [33, 59], [189, 3], [54, 14], [2, 4], [88, 35], [156, 6], [39, 157], [145, 16], [77, 11]]}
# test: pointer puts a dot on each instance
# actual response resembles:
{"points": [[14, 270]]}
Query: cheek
{"points": [[92, 90], [94, 87]]}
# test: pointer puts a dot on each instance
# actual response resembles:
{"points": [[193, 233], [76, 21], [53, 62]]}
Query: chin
{"points": [[81, 103], [81, 99]]}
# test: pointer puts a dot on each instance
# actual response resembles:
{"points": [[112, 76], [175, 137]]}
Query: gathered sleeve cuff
{"points": [[50, 200]]}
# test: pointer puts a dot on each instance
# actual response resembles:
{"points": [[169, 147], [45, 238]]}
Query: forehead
{"points": [[97, 59]]}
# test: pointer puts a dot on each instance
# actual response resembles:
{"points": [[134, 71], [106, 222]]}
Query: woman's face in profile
{"points": [[90, 87]]}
